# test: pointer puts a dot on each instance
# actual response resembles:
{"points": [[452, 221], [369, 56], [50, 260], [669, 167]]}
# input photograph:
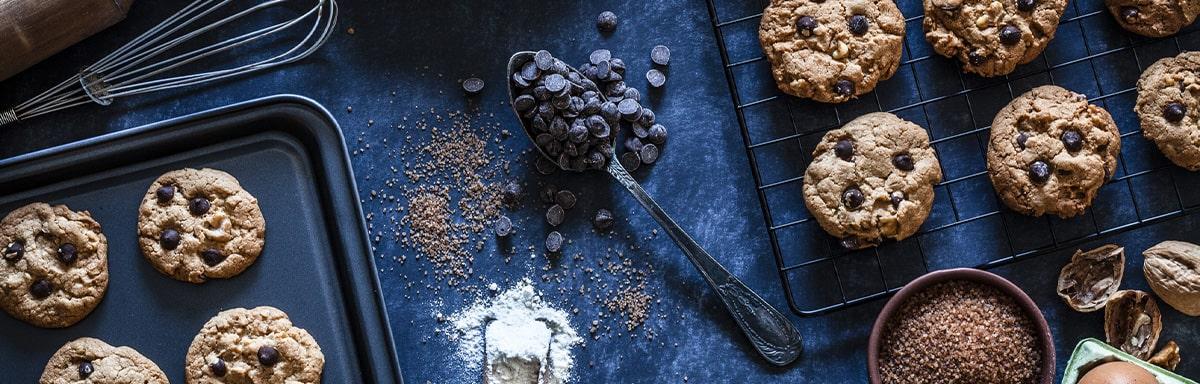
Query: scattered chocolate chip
{"points": [[805, 25], [14, 251], [600, 56], [565, 198], [1072, 140], [844, 149], [199, 206], [1010, 35], [554, 215], [633, 93], [858, 25], [897, 198], [268, 355], [86, 369], [660, 55], [1039, 171], [629, 109], [649, 154], [554, 242], [67, 253], [843, 87], [647, 118], [1026, 5], [212, 256], [503, 226], [853, 197], [1174, 111], [657, 134], [656, 78], [40, 289], [903, 162], [1129, 14], [603, 219], [218, 368], [165, 193], [472, 85], [607, 21], [511, 193], [1022, 138], [633, 144], [631, 161], [976, 58]]}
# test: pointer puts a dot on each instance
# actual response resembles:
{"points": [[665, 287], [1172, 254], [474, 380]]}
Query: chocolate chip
{"points": [[543, 59], [218, 368], [1174, 112], [843, 87], [633, 144], [472, 85], [212, 256], [503, 226], [545, 166], [165, 193], [1010, 35], [599, 56], [853, 197], [631, 161], [1039, 171], [1022, 138], [603, 219], [556, 83], [1129, 13], [565, 198], [268, 355], [657, 134], [858, 25], [649, 154], [629, 109], [548, 192], [86, 369], [14, 251], [607, 21], [525, 103], [67, 253], [844, 149], [554, 215], [805, 25], [1072, 140], [660, 55], [647, 117], [976, 58], [897, 198], [903, 162], [40, 289], [1026, 5], [656, 78], [554, 242], [199, 206], [530, 72], [511, 193]]}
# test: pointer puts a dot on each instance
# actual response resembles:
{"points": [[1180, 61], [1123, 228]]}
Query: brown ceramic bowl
{"points": [[969, 274]]}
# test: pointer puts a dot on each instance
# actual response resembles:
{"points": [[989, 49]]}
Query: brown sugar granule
{"points": [[633, 303], [960, 332]]}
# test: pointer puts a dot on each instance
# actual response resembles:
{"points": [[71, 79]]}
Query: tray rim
{"points": [[391, 368]]}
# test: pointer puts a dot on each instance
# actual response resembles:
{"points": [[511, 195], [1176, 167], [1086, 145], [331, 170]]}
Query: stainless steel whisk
{"points": [[135, 67]]}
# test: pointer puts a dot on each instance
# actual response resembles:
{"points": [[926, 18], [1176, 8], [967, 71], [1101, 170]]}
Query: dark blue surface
{"points": [[419, 48]]}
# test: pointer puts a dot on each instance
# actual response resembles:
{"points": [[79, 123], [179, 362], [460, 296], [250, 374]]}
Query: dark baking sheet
{"points": [[316, 265]]}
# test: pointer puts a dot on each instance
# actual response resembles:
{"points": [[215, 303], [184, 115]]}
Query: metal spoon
{"points": [[771, 334]]}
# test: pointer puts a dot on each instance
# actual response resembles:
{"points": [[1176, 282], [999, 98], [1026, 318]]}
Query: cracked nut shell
{"points": [[1090, 279], [1173, 270], [1167, 357], [1132, 323]]}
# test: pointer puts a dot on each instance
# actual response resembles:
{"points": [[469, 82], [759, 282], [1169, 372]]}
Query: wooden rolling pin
{"points": [[32, 30]]}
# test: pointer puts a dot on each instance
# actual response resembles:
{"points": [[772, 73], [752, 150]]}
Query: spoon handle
{"points": [[775, 338]]}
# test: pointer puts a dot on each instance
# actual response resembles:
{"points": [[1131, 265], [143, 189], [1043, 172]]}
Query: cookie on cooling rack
{"points": [[872, 180], [831, 51], [88, 360], [991, 37], [1169, 110], [1050, 152], [1154, 18]]}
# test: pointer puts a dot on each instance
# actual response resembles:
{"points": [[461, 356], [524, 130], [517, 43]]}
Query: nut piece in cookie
{"points": [[257, 345], [991, 37], [1153, 18], [195, 225], [88, 360], [54, 270], [872, 180], [831, 51], [1050, 152], [1092, 277], [1168, 107]]}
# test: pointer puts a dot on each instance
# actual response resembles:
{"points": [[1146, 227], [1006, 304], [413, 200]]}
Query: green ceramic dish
{"points": [[1091, 352]]}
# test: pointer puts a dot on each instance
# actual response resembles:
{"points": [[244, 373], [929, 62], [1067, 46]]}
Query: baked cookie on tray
{"points": [[199, 224], [991, 37], [55, 267], [88, 360], [1169, 110], [1050, 152], [257, 345], [831, 50], [872, 180], [1154, 18]]}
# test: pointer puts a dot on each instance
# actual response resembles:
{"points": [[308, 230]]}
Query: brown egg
{"points": [[1118, 372]]}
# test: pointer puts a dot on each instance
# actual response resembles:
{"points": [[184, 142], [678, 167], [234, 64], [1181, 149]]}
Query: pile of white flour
{"points": [[516, 333]]}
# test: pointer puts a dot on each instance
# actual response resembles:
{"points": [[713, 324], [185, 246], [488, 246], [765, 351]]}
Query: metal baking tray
{"points": [[317, 265]]}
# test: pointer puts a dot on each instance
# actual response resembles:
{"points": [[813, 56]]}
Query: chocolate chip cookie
{"points": [[195, 225], [991, 37], [831, 51], [257, 345], [1050, 152], [88, 360], [1168, 107], [55, 267], [1154, 18], [872, 180]]}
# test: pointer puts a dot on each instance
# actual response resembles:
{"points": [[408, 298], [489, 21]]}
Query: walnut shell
{"points": [[1167, 357], [1132, 323], [1089, 280], [1173, 270]]}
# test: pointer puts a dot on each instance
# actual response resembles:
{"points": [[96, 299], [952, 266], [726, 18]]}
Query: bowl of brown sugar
{"points": [[960, 326]]}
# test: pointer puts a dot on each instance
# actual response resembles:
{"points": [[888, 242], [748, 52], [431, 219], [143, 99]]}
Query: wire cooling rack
{"points": [[968, 227]]}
